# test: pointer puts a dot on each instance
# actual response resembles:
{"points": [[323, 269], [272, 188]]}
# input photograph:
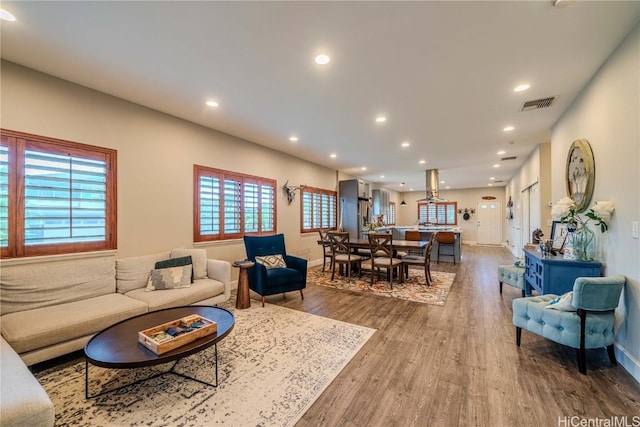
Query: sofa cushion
{"points": [[133, 273], [170, 278], [176, 262], [41, 327], [29, 286], [271, 261], [200, 290], [24, 401], [199, 258]]}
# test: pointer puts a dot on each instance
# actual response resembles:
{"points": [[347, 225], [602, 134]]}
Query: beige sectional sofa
{"points": [[52, 308]]}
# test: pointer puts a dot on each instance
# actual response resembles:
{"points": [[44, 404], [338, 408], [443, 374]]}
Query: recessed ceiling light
{"points": [[496, 165], [363, 168], [501, 152], [381, 176], [333, 156], [490, 185], [562, 3], [411, 189], [6, 16], [381, 119], [212, 103], [405, 144], [521, 88], [322, 59], [508, 129], [447, 187], [492, 178], [293, 139], [422, 162], [442, 182]]}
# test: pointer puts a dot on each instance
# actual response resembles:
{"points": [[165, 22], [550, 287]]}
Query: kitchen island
{"points": [[425, 234]]}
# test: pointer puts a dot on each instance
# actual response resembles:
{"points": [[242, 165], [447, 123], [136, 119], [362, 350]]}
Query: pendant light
{"points": [[403, 203]]}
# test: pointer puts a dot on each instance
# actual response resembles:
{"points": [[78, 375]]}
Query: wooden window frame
{"points": [[320, 191], [18, 143], [204, 171], [438, 220]]}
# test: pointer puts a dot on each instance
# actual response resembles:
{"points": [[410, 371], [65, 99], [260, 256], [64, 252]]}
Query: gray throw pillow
{"points": [[170, 278], [176, 262]]}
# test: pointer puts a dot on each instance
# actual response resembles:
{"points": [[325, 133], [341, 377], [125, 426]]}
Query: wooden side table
{"points": [[242, 294]]}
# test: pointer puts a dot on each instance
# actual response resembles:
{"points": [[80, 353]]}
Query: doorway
{"points": [[489, 226]]}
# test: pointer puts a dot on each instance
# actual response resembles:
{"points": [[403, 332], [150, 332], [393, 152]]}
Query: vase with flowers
{"points": [[583, 237]]}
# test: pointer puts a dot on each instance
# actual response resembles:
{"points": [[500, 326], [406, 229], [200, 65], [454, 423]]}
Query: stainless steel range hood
{"points": [[433, 185]]}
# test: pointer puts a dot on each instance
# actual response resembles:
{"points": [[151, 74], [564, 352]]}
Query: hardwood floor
{"points": [[458, 365]]}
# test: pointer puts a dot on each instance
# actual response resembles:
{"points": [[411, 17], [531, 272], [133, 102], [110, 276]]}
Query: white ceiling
{"points": [[443, 73]]}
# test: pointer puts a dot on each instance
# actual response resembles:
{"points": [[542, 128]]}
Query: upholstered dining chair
{"points": [[582, 319], [326, 249], [423, 259], [341, 253], [274, 271], [446, 239], [382, 256]]}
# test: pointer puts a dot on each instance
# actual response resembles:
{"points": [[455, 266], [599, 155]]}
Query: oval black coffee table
{"points": [[117, 346]]}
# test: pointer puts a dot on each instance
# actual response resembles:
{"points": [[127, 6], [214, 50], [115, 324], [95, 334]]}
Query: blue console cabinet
{"points": [[555, 275]]}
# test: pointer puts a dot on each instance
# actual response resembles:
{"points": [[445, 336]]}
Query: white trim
{"points": [[628, 362], [59, 257]]}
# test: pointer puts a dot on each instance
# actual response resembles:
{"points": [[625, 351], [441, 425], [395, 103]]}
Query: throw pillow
{"points": [[176, 262], [271, 261], [199, 258], [170, 278], [562, 302]]}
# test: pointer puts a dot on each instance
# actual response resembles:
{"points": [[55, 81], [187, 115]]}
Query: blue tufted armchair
{"points": [[589, 325], [274, 280]]}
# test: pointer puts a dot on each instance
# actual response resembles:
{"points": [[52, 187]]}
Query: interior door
{"points": [[524, 227], [489, 226]]}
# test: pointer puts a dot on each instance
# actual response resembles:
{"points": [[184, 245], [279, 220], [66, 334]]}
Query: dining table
{"points": [[363, 243]]}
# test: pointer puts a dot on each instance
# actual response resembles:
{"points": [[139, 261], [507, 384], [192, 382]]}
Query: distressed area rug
{"points": [[272, 367], [413, 289]]}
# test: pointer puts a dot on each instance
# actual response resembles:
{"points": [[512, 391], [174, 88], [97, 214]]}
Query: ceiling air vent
{"points": [[509, 158], [499, 180], [538, 103]]}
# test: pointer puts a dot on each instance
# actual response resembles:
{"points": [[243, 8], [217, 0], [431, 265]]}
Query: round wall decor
{"points": [[580, 173]]}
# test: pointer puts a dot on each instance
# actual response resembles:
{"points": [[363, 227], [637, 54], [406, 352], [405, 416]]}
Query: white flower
{"points": [[604, 208], [563, 207]]}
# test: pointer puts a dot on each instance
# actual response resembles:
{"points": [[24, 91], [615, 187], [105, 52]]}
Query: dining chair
{"points": [[414, 236], [382, 256], [446, 239], [423, 259], [341, 253], [326, 249]]}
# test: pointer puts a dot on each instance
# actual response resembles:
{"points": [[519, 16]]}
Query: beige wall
{"points": [[156, 154], [607, 114], [536, 170], [466, 198]]}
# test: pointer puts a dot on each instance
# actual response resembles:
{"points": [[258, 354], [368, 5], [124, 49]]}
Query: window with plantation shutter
{"points": [[56, 196], [317, 209], [440, 213], [230, 205], [391, 220], [4, 196]]}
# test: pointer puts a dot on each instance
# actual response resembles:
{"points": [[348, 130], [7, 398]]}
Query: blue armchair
{"points": [[274, 280], [585, 324]]}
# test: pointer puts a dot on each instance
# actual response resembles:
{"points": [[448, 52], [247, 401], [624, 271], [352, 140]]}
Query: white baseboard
{"points": [[628, 362]]}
